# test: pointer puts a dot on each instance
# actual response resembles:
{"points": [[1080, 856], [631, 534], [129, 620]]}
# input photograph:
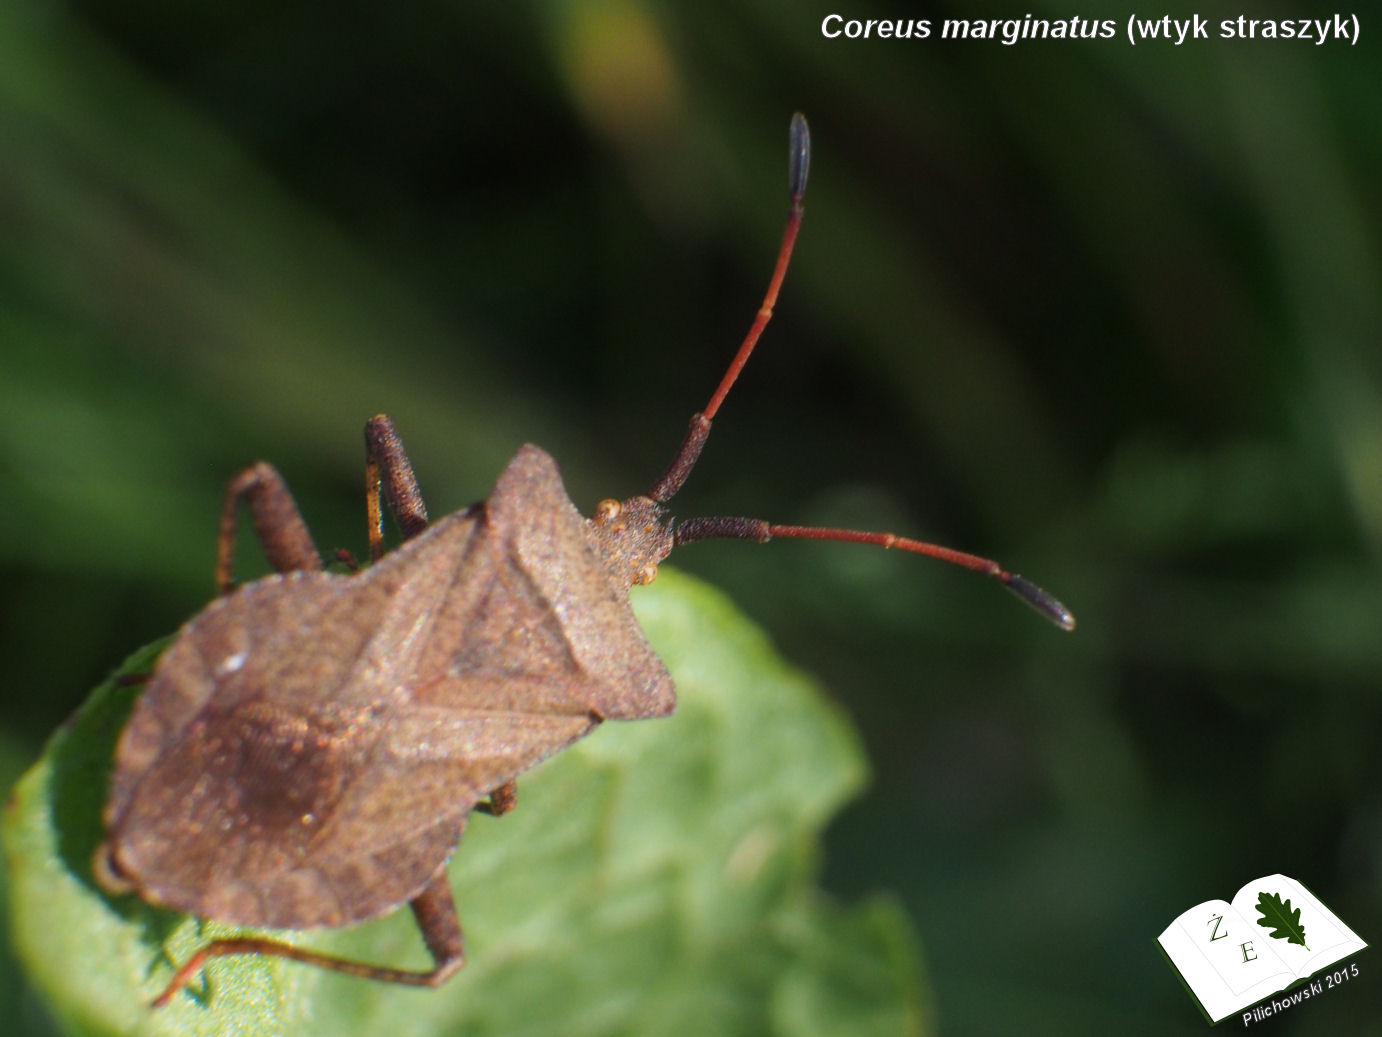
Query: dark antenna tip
{"points": [[798, 155], [1040, 600]]}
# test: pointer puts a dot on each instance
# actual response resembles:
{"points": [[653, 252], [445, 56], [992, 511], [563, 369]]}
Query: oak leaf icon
{"points": [[1280, 918]]}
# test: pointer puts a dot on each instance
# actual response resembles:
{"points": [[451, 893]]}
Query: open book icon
{"points": [[1274, 933]]}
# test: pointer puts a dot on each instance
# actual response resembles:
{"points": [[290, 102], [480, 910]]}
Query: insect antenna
{"points": [[798, 165], [731, 528]]}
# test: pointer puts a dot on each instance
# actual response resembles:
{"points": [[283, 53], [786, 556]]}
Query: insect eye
{"points": [[607, 510]]}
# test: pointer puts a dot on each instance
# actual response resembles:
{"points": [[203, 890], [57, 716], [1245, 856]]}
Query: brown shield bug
{"points": [[309, 748]]}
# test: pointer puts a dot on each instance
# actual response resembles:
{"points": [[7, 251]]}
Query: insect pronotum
{"points": [[309, 748]]}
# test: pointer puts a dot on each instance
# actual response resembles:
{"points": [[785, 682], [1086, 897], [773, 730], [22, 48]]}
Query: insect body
{"points": [[310, 747]]}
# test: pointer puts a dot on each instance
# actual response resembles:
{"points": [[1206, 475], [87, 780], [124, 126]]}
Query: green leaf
{"points": [[656, 878], [1280, 918]]}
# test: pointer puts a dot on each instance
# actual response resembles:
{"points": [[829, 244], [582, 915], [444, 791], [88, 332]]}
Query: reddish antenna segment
{"points": [[756, 529], [798, 167]]}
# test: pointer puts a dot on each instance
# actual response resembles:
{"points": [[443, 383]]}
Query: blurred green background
{"points": [[1109, 314]]}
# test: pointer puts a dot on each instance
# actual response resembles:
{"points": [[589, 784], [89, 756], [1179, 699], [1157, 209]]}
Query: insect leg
{"points": [[501, 800], [282, 533], [433, 908], [387, 468]]}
